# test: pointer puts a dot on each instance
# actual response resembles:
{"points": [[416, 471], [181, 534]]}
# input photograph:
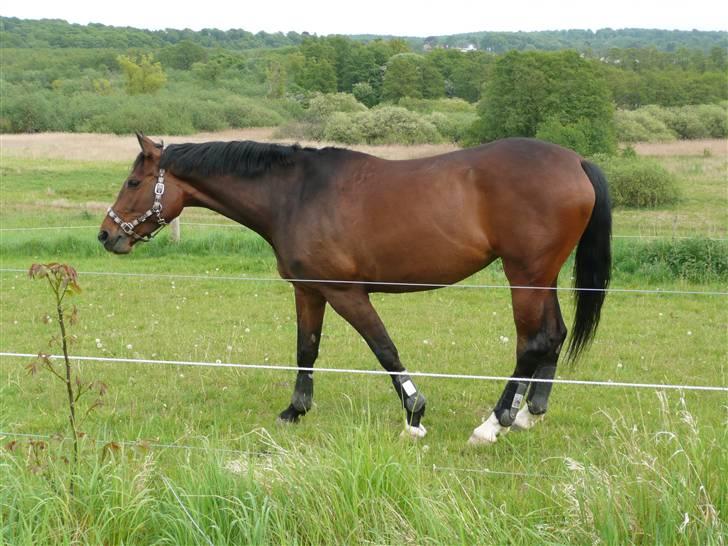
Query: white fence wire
{"points": [[197, 277], [238, 226], [289, 368]]}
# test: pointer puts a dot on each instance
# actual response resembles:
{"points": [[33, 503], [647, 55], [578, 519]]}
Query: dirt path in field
{"points": [[103, 147], [715, 147]]}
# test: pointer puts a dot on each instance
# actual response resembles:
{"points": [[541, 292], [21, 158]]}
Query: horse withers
{"points": [[344, 224]]}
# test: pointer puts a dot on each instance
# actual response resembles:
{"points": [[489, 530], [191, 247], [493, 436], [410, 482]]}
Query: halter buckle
{"points": [[159, 189], [127, 227]]}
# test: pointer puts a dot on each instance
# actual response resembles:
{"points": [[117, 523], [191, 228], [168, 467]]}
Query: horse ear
{"points": [[149, 148]]}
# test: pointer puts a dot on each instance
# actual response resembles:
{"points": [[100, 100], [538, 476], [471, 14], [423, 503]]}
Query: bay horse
{"points": [[333, 214]]}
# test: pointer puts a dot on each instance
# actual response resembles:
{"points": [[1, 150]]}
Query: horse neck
{"points": [[248, 202]]}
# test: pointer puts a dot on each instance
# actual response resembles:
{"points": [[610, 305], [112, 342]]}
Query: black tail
{"points": [[592, 266]]}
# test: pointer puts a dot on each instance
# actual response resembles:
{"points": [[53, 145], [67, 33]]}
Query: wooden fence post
{"points": [[175, 230]]}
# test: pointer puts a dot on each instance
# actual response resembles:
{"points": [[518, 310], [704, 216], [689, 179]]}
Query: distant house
{"points": [[469, 47]]}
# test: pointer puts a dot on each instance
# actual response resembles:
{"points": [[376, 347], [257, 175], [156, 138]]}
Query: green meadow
{"points": [[198, 457]]}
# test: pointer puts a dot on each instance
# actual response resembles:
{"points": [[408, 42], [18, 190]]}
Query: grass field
{"points": [[608, 466]]}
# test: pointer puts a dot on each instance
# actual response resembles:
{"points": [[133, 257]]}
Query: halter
{"points": [[128, 227]]}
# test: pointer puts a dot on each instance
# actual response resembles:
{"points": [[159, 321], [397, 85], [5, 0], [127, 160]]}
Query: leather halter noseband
{"points": [[128, 227]]}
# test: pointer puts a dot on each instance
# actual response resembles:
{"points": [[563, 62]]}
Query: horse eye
{"points": [[133, 183]]}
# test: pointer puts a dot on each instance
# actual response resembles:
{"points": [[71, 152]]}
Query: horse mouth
{"points": [[118, 245]]}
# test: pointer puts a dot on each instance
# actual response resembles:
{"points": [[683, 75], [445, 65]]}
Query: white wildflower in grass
{"points": [[218, 361], [504, 339], [247, 330], [229, 347], [690, 333], [98, 343], [573, 465], [684, 524], [426, 341], [129, 346]]}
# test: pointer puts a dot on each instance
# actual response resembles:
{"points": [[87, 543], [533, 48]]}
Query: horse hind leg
{"points": [[540, 334]]}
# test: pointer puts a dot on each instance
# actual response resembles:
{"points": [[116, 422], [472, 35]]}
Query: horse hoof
{"points": [[525, 419], [413, 432], [488, 432], [289, 415]]}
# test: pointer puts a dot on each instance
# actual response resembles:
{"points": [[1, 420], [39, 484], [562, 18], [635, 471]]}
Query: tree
{"points": [[412, 75], [276, 78], [183, 55], [559, 94], [143, 75]]}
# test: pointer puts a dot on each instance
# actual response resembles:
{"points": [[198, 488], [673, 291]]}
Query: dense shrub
{"points": [[396, 125], [208, 115], [714, 118], [453, 127], [321, 106], [177, 111], [695, 121], [382, 125], [241, 112], [691, 260], [639, 182], [29, 113], [641, 126], [344, 128], [427, 106], [320, 109], [658, 123]]}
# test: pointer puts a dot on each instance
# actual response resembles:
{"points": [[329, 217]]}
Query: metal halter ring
{"points": [[156, 210]]}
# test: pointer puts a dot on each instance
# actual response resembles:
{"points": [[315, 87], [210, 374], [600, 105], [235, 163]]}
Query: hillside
{"points": [[25, 33]]}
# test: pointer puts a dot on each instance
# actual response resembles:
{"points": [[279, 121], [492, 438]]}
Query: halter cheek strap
{"points": [[156, 210]]}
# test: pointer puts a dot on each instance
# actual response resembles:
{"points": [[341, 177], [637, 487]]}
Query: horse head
{"points": [[148, 200]]}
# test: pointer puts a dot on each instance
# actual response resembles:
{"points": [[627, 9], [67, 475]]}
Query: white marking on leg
{"points": [[525, 419], [409, 388], [413, 432], [488, 432]]}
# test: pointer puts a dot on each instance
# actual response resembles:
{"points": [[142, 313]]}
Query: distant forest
{"points": [[22, 33], [584, 89]]}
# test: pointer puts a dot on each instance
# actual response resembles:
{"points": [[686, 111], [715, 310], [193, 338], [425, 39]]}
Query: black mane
{"points": [[239, 158]]}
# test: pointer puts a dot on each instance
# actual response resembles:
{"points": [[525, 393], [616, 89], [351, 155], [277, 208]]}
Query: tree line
{"points": [[476, 96], [56, 33]]}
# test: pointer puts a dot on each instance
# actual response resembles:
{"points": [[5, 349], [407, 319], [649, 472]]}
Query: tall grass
{"points": [[362, 486]]}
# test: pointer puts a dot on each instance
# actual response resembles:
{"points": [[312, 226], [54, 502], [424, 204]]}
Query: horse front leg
{"points": [[310, 307], [354, 306]]}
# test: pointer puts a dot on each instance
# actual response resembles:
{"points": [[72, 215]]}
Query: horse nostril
{"points": [[103, 235]]}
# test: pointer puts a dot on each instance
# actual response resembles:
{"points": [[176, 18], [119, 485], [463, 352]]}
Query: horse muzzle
{"points": [[118, 243]]}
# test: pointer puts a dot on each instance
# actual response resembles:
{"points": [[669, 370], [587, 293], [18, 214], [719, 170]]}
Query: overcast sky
{"points": [[410, 18]]}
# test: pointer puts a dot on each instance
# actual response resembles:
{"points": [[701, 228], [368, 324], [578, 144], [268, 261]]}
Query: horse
{"points": [[344, 224]]}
